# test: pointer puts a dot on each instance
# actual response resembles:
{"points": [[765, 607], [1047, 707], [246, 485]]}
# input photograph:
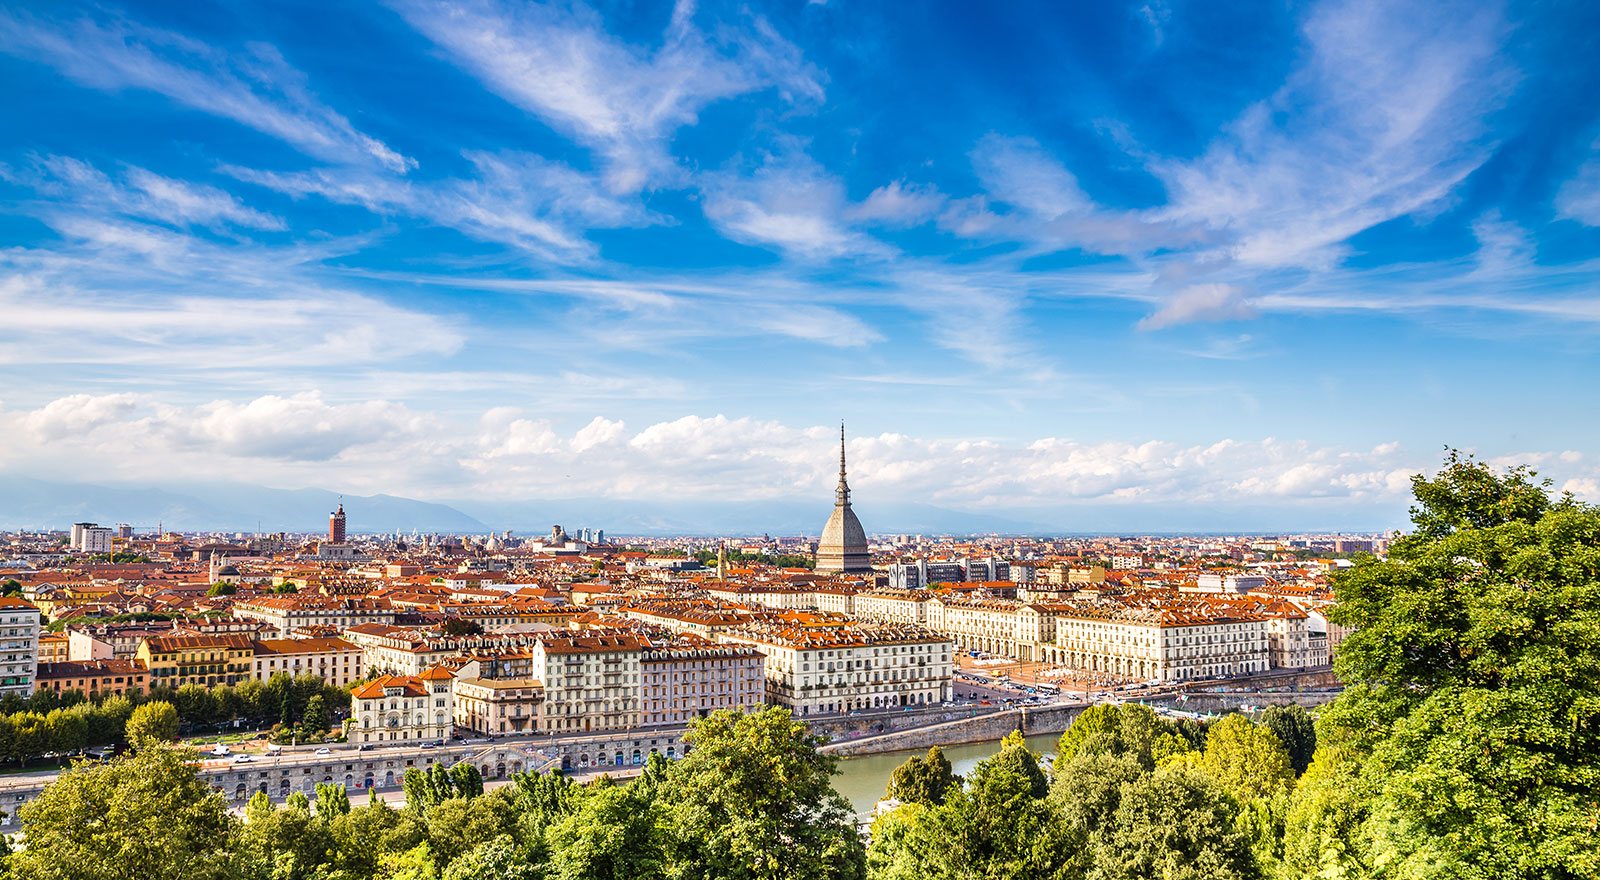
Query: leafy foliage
{"points": [[143, 818], [1470, 743], [923, 779]]}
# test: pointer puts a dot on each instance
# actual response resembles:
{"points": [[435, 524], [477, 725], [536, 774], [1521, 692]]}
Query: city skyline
{"points": [[1161, 265]]}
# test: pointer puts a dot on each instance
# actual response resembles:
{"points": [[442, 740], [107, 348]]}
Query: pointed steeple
{"points": [[841, 495], [843, 546]]}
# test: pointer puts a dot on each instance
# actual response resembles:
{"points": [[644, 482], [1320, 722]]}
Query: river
{"points": [[864, 778]]}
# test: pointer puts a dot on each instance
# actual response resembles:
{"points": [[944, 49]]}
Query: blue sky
{"points": [[1261, 259]]}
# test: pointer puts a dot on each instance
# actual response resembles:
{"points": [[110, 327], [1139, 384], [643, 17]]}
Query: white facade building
{"points": [[831, 668], [19, 646], [403, 709]]}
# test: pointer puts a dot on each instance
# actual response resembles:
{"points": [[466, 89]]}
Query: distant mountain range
{"points": [[32, 503]]}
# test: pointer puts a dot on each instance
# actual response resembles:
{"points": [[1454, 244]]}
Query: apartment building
{"points": [[1171, 641], [335, 661], [922, 573], [496, 705], [591, 680], [288, 613], [19, 645], [403, 708], [208, 660], [53, 647], [987, 625], [892, 606], [104, 677], [690, 677], [822, 666], [781, 598]]}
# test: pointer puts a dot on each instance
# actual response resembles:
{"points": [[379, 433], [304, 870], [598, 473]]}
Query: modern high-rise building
{"points": [[19, 646], [843, 547], [97, 539], [336, 525]]}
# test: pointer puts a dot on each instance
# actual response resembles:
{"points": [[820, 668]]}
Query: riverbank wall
{"points": [[987, 727]]}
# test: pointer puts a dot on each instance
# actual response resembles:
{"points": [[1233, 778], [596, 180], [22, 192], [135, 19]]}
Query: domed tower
{"points": [[843, 547]]}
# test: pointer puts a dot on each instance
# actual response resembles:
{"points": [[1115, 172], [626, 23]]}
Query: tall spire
{"points": [[841, 495]]}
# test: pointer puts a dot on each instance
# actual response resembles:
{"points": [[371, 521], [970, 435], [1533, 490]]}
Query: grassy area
{"points": [[231, 738]]}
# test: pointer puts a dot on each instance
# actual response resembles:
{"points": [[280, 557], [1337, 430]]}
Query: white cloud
{"points": [[255, 88], [1579, 198], [1201, 302], [623, 101], [789, 202], [1019, 172], [140, 193], [898, 203], [515, 198], [1385, 117], [505, 454], [301, 428]]}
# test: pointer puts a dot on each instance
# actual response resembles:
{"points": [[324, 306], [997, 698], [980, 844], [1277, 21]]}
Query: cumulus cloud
{"points": [[300, 428], [509, 454]]}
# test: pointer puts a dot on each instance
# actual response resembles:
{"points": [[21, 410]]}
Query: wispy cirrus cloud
{"points": [[256, 87], [518, 199], [137, 193], [788, 202], [621, 100]]}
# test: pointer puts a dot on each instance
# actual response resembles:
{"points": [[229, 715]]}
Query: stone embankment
{"points": [[986, 727]]}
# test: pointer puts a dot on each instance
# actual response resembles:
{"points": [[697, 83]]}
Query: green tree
{"points": [[315, 720], [456, 825], [148, 817], [332, 800], [1085, 796], [152, 724], [1000, 825], [1125, 729], [460, 626], [1296, 730], [496, 859], [753, 801], [1473, 715], [923, 779], [466, 779], [286, 843], [1247, 759], [611, 836], [1174, 824]]}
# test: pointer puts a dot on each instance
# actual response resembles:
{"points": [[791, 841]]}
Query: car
{"points": [[242, 759], [364, 747], [221, 751], [323, 751]]}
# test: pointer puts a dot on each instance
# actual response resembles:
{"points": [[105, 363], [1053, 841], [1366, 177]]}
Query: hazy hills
{"points": [[26, 502]]}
